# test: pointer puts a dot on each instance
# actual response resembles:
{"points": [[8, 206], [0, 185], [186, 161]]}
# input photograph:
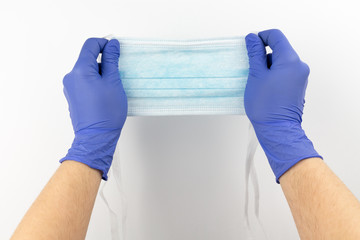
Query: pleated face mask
{"points": [[192, 77], [189, 77]]}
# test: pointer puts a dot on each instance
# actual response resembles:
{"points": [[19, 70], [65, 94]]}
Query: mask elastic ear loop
{"points": [[250, 171], [251, 148], [113, 216], [124, 205], [116, 233]]}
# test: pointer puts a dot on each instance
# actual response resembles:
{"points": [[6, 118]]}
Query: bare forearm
{"points": [[322, 206], [63, 208]]}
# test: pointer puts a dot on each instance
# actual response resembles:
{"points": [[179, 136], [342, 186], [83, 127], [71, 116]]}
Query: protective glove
{"points": [[274, 100], [97, 104]]}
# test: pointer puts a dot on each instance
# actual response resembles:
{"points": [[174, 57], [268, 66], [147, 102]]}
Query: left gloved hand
{"points": [[97, 104]]}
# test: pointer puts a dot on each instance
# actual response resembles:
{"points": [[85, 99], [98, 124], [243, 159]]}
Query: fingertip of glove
{"points": [[114, 43], [112, 49], [251, 36]]}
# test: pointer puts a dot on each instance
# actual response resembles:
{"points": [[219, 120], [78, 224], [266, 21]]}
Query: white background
{"points": [[40, 41]]}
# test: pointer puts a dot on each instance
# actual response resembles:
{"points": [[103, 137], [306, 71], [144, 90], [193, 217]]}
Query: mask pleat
{"points": [[194, 82], [182, 93]]}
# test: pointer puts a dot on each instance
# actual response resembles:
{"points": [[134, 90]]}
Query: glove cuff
{"points": [[284, 144], [94, 148]]}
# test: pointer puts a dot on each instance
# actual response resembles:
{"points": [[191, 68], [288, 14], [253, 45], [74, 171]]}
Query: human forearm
{"points": [[98, 109], [63, 208], [322, 206]]}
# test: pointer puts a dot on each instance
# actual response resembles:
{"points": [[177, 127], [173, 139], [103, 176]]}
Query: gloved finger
{"points": [[89, 53], [110, 58], [256, 51], [282, 50], [269, 60]]}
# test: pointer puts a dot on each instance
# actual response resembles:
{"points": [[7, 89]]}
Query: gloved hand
{"points": [[274, 100], [97, 104]]}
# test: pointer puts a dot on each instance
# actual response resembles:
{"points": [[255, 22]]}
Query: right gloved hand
{"points": [[274, 100]]}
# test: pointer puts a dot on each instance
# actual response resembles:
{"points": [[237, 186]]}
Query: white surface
{"points": [[40, 42]]}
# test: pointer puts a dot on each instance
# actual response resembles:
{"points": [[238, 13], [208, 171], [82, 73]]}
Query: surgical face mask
{"points": [[190, 77], [187, 77]]}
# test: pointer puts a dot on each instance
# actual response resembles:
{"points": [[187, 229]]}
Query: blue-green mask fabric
{"points": [[186, 77]]}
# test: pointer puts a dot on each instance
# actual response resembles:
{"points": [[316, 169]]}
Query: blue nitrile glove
{"points": [[274, 100], [97, 104]]}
